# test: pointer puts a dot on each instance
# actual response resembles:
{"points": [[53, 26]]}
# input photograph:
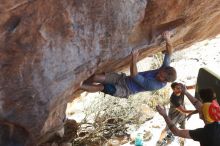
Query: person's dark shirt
{"points": [[207, 136], [176, 101]]}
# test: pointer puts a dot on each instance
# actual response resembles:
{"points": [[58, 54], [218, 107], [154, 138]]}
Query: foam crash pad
{"points": [[208, 79]]}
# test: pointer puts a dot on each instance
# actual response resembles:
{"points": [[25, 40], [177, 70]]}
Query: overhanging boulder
{"points": [[48, 47]]}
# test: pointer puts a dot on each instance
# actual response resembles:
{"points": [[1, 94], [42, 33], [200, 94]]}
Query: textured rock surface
{"points": [[48, 47]]}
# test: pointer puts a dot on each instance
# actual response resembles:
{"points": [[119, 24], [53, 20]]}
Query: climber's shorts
{"points": [[109, 89], [118, 81]]}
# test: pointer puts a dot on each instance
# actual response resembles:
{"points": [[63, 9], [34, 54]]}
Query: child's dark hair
{"points": [[207, 95], [174, 84]]}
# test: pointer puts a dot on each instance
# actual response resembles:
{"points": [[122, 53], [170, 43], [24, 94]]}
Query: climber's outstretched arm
{"points": [[169, 48], [133, 65]]}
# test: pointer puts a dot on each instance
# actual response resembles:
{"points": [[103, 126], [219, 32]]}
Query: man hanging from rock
{"points": [[120, 85]]}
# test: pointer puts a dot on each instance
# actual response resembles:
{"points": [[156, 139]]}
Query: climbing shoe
{"points": [[161, 143]]}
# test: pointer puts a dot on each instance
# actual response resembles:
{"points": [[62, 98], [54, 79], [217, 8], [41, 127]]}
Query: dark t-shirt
{"points": [[175, 101], [207, 136]]}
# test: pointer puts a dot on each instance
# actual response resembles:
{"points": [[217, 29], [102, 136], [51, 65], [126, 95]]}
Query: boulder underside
{"points": [[48, 47]]}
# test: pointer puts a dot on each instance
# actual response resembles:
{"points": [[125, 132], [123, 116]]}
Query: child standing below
{"points": [[177, 112]]}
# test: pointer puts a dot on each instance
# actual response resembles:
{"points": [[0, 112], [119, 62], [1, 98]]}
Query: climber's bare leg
{"points": [[91, 87], [97, 78], [92, 84]]}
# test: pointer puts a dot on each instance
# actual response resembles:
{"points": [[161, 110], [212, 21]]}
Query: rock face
{"points": [[48, 47]]}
